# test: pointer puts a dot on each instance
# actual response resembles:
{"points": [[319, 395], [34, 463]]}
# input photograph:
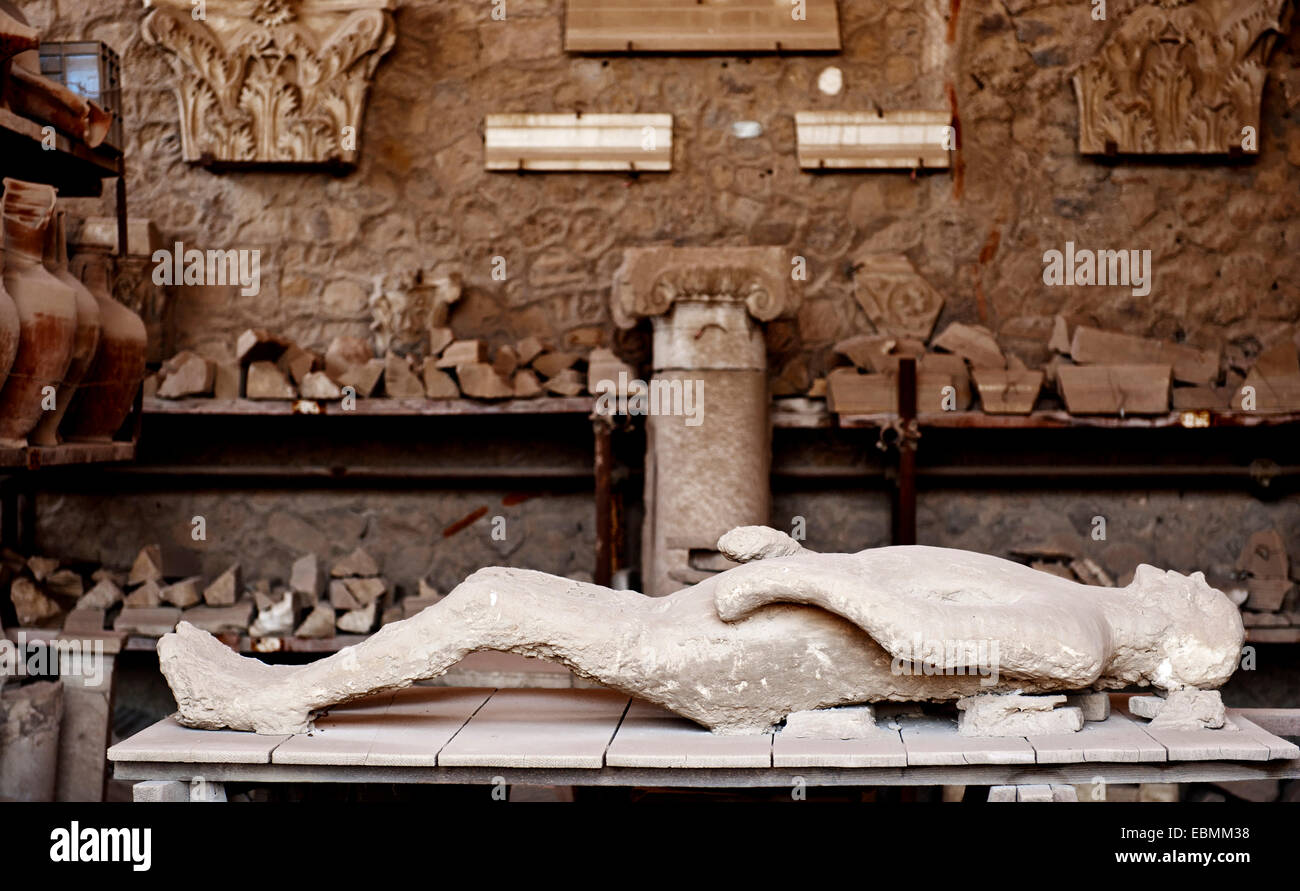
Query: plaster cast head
{"points": [[1188, 636]]}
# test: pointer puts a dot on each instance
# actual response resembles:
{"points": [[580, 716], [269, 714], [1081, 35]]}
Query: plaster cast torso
{"points": [[742, 650]]}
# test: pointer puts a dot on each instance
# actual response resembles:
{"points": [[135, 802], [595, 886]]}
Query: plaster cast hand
{"points": [[746, 543]]}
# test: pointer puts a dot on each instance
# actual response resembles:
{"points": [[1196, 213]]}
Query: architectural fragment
{"points": [[1180, 78], [598, 26], [869, 139], [895, 297], [589, 142], [707, 429], [272, 81]]}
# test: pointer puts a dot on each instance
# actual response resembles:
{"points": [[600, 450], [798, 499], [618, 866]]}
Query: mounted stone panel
{"points": [[859, 140], [735, 26], [587, 142], [1180, 78], [274, 82]]}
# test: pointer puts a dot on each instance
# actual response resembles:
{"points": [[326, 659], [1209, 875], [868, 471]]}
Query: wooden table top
{"points": [[454, 734]]}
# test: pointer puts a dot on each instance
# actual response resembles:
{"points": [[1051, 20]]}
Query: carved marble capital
{"points": [[652, 279], [272, 81], [1180, 77]]}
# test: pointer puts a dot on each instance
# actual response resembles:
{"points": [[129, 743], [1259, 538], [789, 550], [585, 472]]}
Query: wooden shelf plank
{"points": [[369, 407], [261, 645], [168, 741], [651, 736], [538, 728], [1048, 420], [1273, 635], [810, 418], [933, 740], [71, 166], [885, 749], [35, 457]]}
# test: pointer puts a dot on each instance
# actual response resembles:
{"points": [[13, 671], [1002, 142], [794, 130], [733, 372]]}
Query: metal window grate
{"points": [[90, 69]]}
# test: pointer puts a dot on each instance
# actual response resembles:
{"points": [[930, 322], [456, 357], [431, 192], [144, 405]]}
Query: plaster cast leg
{"points": [[510, 610]]}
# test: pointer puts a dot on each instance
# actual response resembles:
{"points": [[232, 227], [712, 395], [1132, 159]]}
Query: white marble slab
{"points": [[882, 749], [420, 723], [341, 736], [1117, 739], [651, 736], [538, 728], [933, 740], [1204, 745], [169, 741], [1277, 747]]}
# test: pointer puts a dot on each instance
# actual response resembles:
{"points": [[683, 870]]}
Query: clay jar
{"points": [[107, 393], [47, 312], [84, 344], [9, 327]]}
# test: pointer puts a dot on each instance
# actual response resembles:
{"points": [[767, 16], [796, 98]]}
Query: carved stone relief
{"points": [[407, 304], [895, 297]]}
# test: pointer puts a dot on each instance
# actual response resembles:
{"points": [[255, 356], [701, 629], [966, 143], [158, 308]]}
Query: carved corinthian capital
{"points": [[652, 279], [272, 81], [1180, 77]]}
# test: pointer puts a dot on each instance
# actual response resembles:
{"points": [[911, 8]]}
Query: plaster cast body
{"points": [[741, 650]]}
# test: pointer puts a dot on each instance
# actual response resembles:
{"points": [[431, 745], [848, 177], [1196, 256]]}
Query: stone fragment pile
{"points": [[267, 366]]}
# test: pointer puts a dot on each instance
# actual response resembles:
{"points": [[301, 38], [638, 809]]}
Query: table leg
{"points": [[167, 791], [604, 460], [171, 791], [1035, 792]]}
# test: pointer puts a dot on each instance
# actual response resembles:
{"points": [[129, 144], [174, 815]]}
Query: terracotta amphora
{"points": [[9, 327], [107, 394], [84, 345], [47, 313]]}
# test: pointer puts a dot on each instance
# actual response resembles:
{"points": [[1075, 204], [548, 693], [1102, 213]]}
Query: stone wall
{"points": [[1225, 239], [1223, 235]]}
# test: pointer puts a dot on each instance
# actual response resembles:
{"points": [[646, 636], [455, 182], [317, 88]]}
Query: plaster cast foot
{"points": [[217, 688]]}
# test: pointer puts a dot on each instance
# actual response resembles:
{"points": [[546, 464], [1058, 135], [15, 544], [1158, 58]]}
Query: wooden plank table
{"points": [[602, 738]]}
